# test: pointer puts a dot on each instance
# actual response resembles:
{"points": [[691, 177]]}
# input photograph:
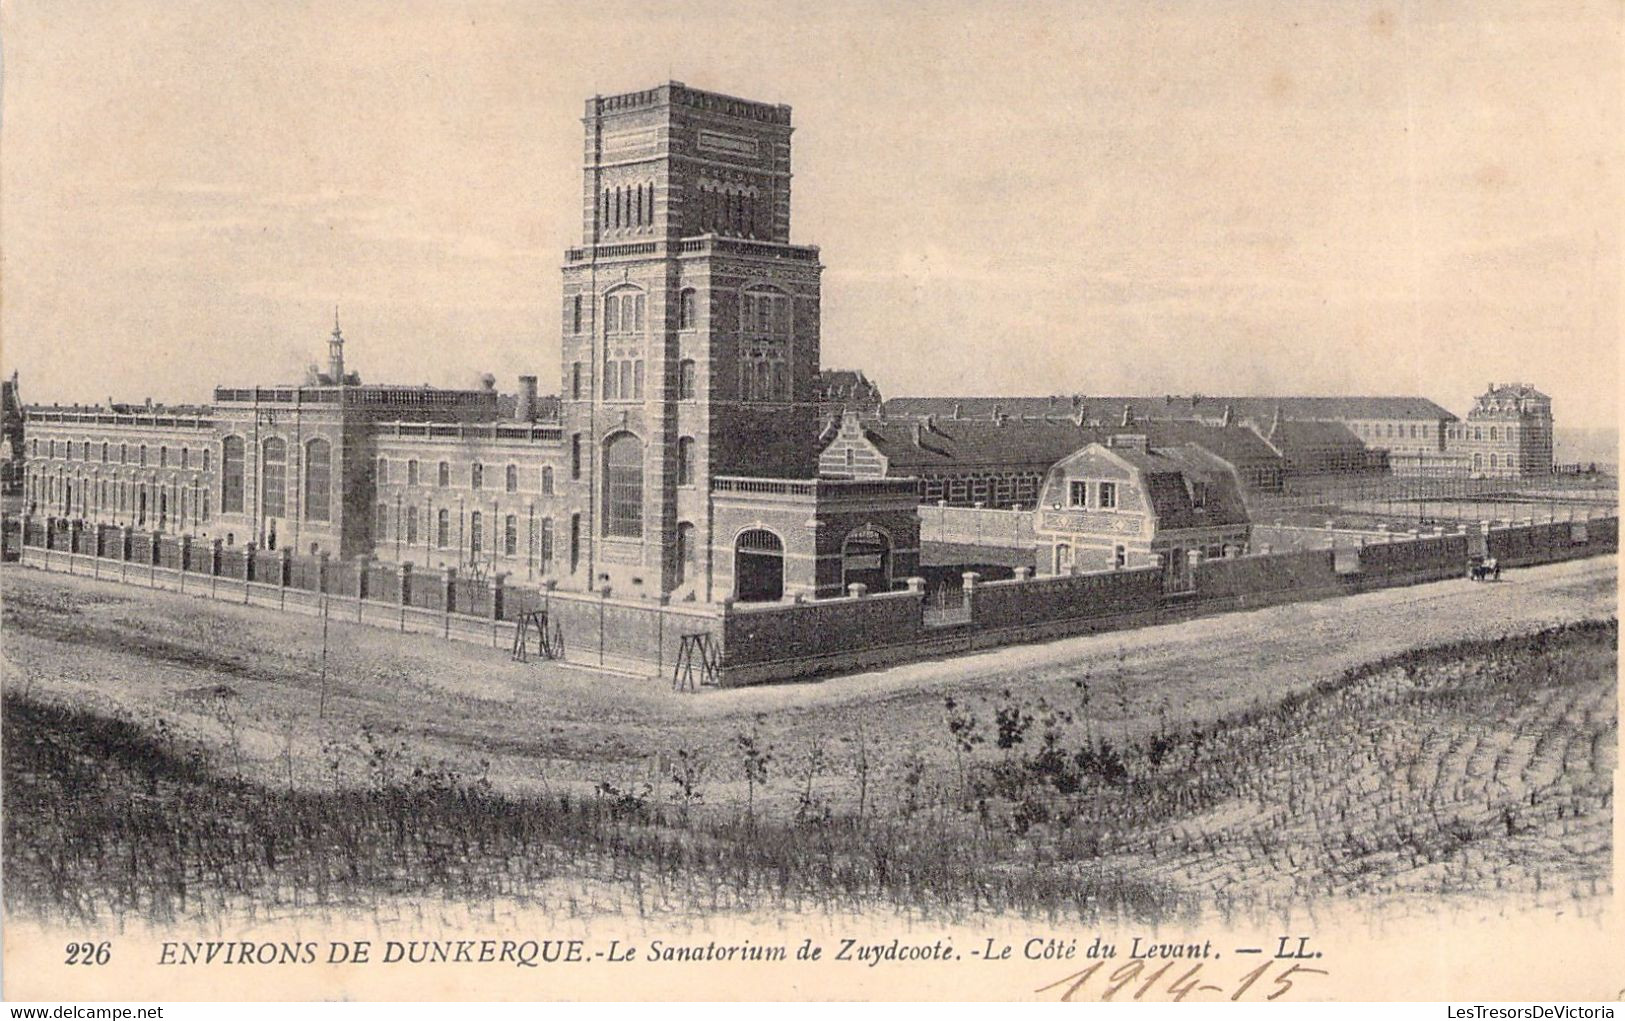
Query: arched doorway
{"points": [[866, 559], [758, 567]]}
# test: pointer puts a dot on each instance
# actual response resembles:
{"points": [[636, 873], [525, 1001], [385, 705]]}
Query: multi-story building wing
{"points": [[1508, 433]]}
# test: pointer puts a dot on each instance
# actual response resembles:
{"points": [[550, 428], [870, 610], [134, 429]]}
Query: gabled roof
{"points": [[1513, 391], [1165, 476]]}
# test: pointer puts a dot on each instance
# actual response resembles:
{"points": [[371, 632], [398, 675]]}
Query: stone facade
{"points": [[1507, 434]]}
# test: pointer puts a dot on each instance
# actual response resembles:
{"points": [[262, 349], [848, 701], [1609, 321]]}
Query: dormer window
{"points": [[1199, 494], [1078, 494], [1108, 495]]}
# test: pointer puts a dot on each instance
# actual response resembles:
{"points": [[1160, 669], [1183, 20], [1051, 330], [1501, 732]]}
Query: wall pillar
{"points": [[448, 588], [284, 566], [857, 590], [155, 549], [186, 554], [250, 568], [125, 546], [363, 564], [917, 586], [1024, 574], [321, 572], [406, 584], [214, 557], [497, 584]]}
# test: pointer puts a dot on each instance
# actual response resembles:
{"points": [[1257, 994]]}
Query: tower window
{"points": [[764, 342], [623, 486], [476, 534], [685, 309], [510, 479], [685, 461], [442, 529], [575, 455], [412, 472], [547, 480], [274, 478], [411, 525], [443, 474], [318, 479], [685, 379], [575, 314], [383, 471], [231, 481], [510, 535], [476, 475], [575, 381]]}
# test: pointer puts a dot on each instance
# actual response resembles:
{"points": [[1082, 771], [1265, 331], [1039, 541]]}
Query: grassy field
{"points": [[1309, 752]]}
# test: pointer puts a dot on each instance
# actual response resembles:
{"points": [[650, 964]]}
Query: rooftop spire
{"points": [[335, 352]]}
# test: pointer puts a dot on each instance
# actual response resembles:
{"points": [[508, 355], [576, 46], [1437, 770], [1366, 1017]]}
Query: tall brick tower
{"points": [[690, 329]]}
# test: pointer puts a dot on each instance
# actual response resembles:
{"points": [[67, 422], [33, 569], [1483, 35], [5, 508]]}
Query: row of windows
{"points": [[761, 312], [1391, 431], [733, 212], [1097, 495], [614, 380], [996, 491], [106, 453], [318, 488], [471, 531], [144, 502], [1477, 433], [476, 475], [631, 205]]}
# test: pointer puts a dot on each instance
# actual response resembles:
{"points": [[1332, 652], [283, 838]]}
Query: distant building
{"points": [[1001, 462], [1508, 433], [13, 458], [1126, 504]]}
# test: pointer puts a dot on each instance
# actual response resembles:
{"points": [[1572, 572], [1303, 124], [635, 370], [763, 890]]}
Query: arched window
{"points": [[411, 525], [510, 535], [685, 379], [547, 480], [383, 471], [231, 475], [412, 472], [476, 534], [685, 309], [318, 480], [443, 474], [623, 486], [123, 453], [476, 475], [1492, 438], [186, 456], [104, 454], [685, 461], [206, 458], [510, 479], [442, 529], [1493, 461], [547, 541], [381, 522], [163, 456], [142, 462], [274, 478]]}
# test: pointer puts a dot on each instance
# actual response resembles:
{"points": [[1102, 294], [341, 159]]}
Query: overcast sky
{"points": [[1011, 199]]}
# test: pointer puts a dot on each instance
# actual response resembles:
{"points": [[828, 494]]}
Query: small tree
{"points": [[755, 756]]}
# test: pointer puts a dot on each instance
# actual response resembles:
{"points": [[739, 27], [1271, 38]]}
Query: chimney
{"points": [[1128, 414], [1229, 416], [956, 411], [918, 437], [930, 423], [525, 408]]}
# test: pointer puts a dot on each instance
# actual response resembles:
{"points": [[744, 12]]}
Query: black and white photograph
{"points": [[605, 501]]}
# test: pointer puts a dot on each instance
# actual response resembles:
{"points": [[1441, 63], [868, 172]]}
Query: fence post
{"points": [[214, 557], [321, 572], [969, 580], [186, 558], [448, 597], [363, 564], [250, 567], [406, 592], [857, 590], [497, 582]]}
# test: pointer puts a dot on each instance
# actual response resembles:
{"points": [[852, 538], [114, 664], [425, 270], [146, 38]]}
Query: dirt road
{"points": [[252, 679]]}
